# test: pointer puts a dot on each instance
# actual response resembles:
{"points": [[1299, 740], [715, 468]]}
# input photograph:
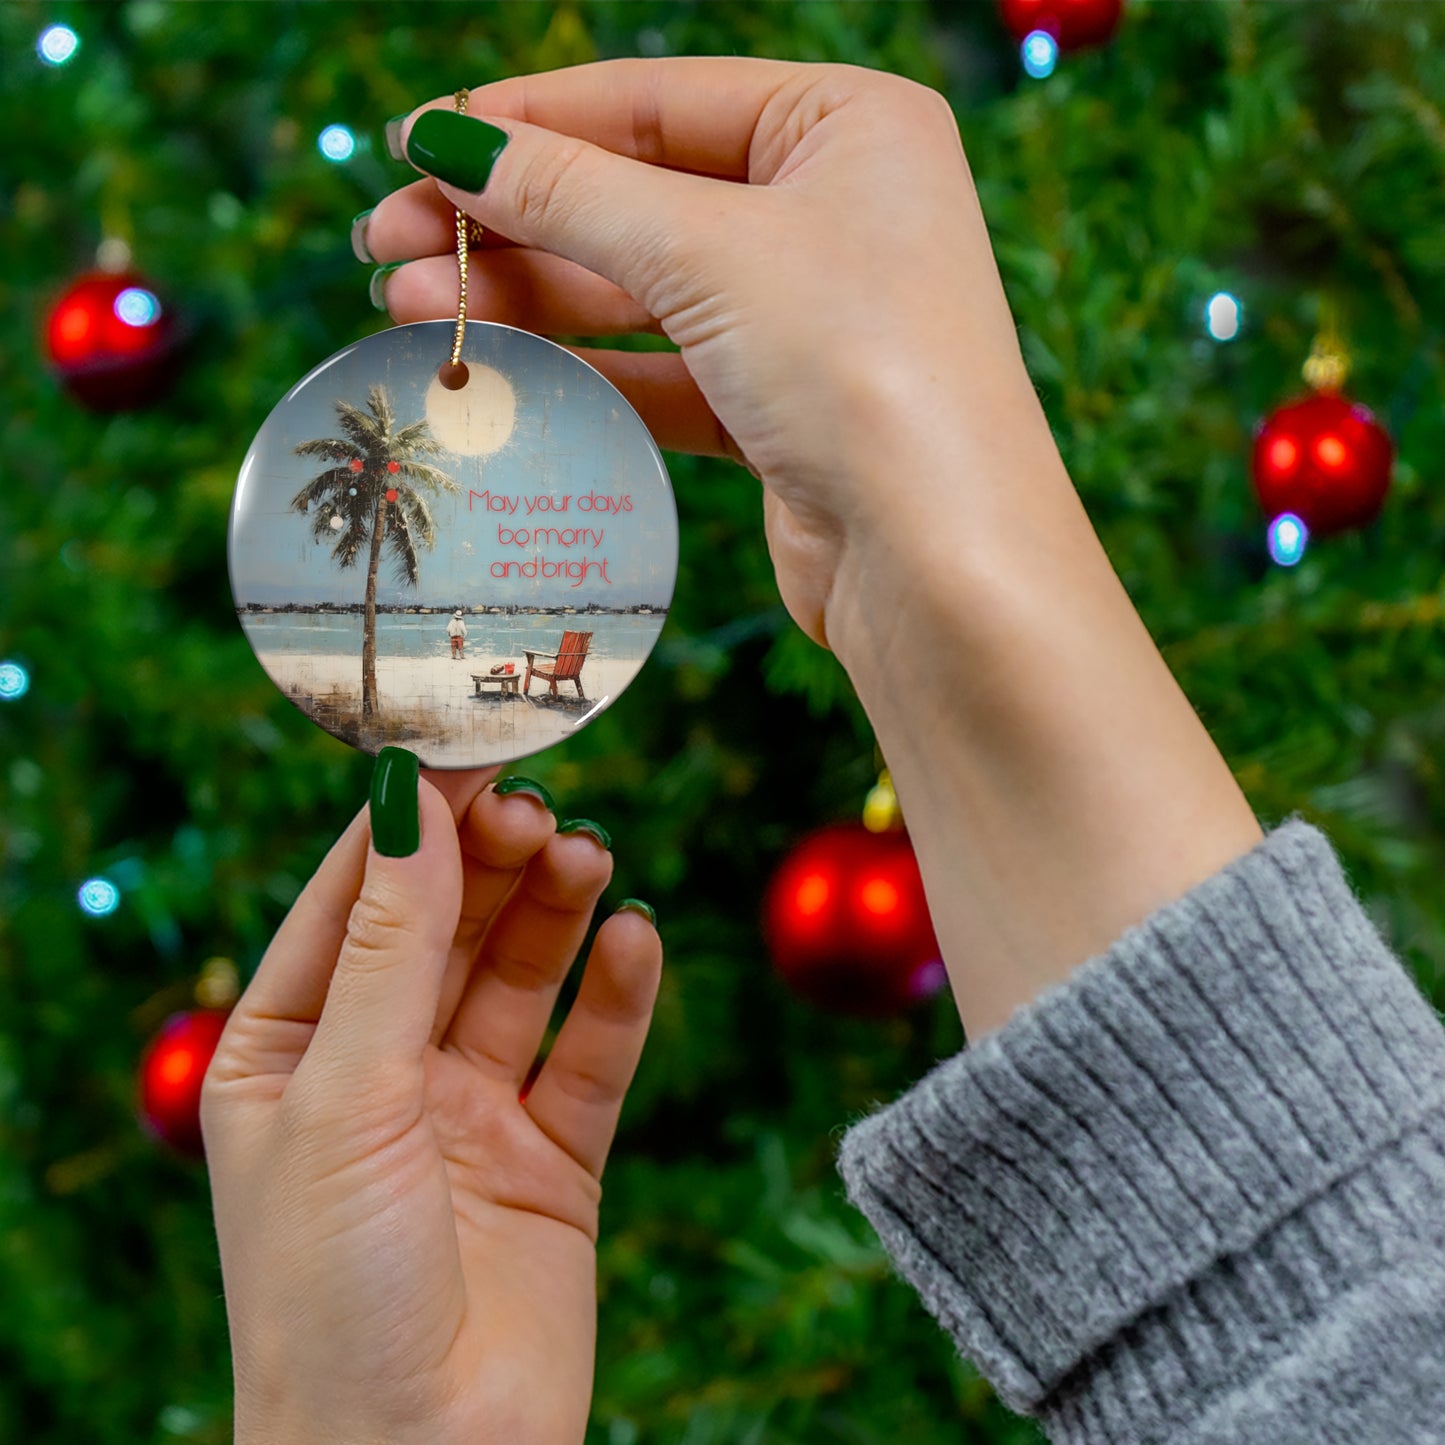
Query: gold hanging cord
{"points": [[469, 233]]}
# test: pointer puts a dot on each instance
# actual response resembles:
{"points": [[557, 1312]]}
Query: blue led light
{"points": [[1040, 53], [1287, 538], [1223, 316], [98, 897], [14, 681], [57, 44], [137, 306], [337, 143]]}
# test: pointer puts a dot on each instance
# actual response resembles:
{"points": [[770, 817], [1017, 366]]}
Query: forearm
{"points": [[1056, 782]]}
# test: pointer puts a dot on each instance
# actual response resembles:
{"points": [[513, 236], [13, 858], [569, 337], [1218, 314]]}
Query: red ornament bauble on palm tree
{"points": [[847, 923], [171, 1073], [111, 341], [1324, 458], [1074, 24]]}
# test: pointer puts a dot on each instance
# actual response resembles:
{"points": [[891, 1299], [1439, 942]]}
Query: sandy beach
{"points": [[429, 705]]}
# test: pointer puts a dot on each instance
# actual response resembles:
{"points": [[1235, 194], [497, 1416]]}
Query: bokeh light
{"points": [[57, 44], [1223, 316], [1287, 538], [812, 896], [98, 897], [336, 143], [137, 307], [1040, 54], [1282, 454], [14, 681]]}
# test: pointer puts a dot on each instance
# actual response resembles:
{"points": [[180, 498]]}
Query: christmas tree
{"points": [[1274, 162]]}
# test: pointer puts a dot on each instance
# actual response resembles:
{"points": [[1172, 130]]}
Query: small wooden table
{"points": [[505, 682]]}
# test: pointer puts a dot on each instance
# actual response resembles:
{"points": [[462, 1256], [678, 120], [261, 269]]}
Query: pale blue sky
{"points": [[573, 434]]}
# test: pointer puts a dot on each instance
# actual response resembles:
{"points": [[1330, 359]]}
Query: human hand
{"points": [[408, 1247], [810, 237], [840, 316]]}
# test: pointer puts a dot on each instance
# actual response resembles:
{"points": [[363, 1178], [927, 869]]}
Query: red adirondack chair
{"points": [[565, 664]]}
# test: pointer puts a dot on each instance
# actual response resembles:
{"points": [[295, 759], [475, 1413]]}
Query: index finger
{"points": [[686, 112]]}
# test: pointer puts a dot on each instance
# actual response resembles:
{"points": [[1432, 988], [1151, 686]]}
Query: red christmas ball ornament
{"points": [[111, 341], [1324, 458], [393, 467], [356, 464], [847, 923], [1073, 23], [391, 494], [171, 1072]]}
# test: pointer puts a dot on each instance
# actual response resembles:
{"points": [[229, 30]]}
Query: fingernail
{"points": [[393, 137], [377, 289], [359, 248], [586, 825], [525, 785], [636, 905], [395, 810], [455, 148]]}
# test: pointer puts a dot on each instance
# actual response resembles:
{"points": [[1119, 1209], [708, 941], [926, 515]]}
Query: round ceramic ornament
{"points": [[468, 560]]}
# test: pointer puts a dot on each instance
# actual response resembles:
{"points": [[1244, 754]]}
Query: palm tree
{"points": [[348, 503]]}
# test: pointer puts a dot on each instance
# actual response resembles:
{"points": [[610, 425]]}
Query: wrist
{"points": [[1057, 784], [949, 519]]}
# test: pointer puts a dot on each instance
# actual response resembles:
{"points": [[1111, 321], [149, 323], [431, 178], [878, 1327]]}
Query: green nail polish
{"points": [[359, 248], [586, 825], [393, 137], [395, 809], [533, 789], [455, 148], [377, 289], [636, 905]]}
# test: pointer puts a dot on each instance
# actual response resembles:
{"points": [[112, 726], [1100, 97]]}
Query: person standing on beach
{"points": [[457, 631]]}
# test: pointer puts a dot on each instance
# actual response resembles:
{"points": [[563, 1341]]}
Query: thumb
{"points": [[639, 226], [382, 1000]]}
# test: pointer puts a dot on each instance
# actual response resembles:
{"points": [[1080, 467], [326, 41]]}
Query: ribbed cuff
{"points": [[1173, 1153]]}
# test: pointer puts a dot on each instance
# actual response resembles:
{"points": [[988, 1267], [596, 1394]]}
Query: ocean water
{"points": [[488, 635]]}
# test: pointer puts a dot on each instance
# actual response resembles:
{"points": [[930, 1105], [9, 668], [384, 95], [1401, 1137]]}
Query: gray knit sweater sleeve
{"points": [[1196, 1192]]}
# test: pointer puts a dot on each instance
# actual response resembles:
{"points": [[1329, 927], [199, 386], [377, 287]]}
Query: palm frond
{"points": [[325, 486], [432, 478], [403, 548], [349, 547], [378, 401], [367, 437], [416, 439], [413, 506], [332, 448]]}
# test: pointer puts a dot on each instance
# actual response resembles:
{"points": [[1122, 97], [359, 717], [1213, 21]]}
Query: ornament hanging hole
{"points": [[453, 375]]}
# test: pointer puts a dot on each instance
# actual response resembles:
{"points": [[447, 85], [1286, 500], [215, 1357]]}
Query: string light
{"points": [[1287, 538], [57, 44], [1223, 316], [1040, 54], [137, 307], [336, 143], [14, 681], [98, 897]]}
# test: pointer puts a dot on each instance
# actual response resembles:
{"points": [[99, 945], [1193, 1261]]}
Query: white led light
{"points": [[1040, 53], [138, 307], [14, 681], [98, 897], [1287, 538], [336, 143], [1223, 316], [57, 44]]}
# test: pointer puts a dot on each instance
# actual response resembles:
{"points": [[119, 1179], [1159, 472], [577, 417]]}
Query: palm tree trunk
{"points": [[368, 625]]}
